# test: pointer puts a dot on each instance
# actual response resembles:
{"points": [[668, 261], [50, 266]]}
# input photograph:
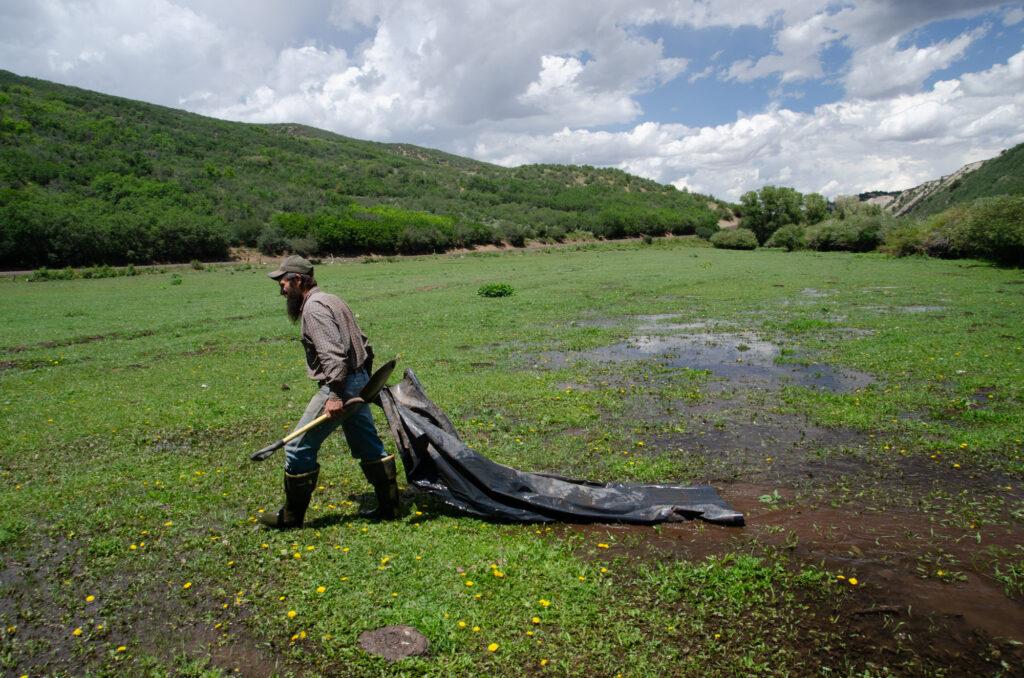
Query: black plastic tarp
{"points": [[437, 462]]}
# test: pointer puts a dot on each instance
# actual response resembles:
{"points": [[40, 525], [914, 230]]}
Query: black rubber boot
{"points": [[298, 489], [383, 475]]}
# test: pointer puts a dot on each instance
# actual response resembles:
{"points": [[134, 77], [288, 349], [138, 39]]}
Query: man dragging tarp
{"points": [[339, 358]]}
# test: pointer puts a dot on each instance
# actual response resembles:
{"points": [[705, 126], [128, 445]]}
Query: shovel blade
{"points": [[377, 381], [267, 451]]}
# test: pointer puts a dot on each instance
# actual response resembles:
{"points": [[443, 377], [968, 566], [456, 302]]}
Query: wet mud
{"points": [[927, 598], [740, 357], [931, 583]]}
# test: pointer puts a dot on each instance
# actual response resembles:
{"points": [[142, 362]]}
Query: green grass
{"points": [[129, 407]]}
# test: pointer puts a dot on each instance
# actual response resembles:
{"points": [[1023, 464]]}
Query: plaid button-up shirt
{"points": [[335, 346]]}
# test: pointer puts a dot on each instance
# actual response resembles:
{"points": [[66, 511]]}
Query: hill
{"points": [[1001, 175], [89, 178]]}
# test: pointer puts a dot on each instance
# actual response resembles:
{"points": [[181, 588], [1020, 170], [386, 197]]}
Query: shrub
{"points": [[470, 233], [706, 231], [996, 228], [791, 237], [271, 241], [495, 290], [196, 265], [860, 232], [305, 246], [419, 240], [904, 238], [513, 234], [735, 239]]}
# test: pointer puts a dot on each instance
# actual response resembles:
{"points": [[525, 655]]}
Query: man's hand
{"points": [[334, 407]]}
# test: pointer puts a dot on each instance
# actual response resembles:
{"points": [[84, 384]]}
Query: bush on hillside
{"points": [[735, 239], [791, 237], [988, 228], [705, 231], [272, 241], [904, 238], [856, 233], [996, 227], [305, 246]]}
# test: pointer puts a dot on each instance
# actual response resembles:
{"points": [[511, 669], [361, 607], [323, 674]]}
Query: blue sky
{"points": [[716, 96]]}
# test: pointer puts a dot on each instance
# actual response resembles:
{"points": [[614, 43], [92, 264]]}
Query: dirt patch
{"points": [[923, 590], [79, 340]]}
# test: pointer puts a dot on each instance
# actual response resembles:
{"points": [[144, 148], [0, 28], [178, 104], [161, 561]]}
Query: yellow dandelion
{"points": [[476, 629], [582, 578], [493, 647], [604, 570], [461, 624], [469, 583], [543, 662], [231, 563], [282, 597], [133, 547], [77, 632], [121, 648], [321, 589], [310, 548], [264, 546], [498, 573], [297, 556], [535, 620], [853, 581], [940, 573], [344, 549], [187, 585], [291, 614], [169, 523], [602, 545], [89, 598], [544, 602]]}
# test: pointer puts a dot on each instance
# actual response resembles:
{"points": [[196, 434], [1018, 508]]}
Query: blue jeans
{"points": [[360, 432]]}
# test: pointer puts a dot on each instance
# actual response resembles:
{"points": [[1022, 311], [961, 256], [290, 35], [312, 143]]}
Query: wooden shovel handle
{"points": [[352, 402]]}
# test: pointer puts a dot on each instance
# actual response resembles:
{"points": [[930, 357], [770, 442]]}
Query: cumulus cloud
{"points": [[798, 58], [885, 70], [842, 147], [517, 81]]}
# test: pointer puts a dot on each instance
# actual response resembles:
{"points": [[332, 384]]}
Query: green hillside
{"points": [[88, 178], [1002, 175]]}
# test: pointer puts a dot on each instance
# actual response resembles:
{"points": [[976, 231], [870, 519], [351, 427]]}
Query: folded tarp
{"points": [[437, 462]]}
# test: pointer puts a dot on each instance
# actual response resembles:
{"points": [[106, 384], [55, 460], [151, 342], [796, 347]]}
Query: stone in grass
{"points": [[394, 642]]}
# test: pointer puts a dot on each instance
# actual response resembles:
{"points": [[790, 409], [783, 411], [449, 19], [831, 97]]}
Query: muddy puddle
{"points": [[739, 357], [935, 582]]}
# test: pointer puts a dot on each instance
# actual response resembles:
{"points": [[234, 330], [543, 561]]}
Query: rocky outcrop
{"points": [[910, 198]]}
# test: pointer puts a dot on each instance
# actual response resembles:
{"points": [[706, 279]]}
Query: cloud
{"points": [[799, 53], [1013, 16], [517, 81], [841, 147], [885, 71]]}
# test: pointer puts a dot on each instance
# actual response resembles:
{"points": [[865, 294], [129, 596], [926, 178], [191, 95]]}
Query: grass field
{"points": [[866, 413]]}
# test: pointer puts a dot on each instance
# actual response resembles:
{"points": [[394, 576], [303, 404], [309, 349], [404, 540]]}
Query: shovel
{"points": [[367, 395]]}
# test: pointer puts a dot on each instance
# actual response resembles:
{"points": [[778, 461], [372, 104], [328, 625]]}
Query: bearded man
{"points": [[339, 358]]}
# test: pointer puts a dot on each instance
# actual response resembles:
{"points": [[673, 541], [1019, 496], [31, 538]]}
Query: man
{"points": [[338, 358]]}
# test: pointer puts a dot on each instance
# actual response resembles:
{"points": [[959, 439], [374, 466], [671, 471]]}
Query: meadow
{"points": [[866, 413]]}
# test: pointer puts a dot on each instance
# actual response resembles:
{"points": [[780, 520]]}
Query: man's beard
{"points": [[293, 303]]}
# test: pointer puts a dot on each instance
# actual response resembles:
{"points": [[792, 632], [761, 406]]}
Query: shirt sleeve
{"points": [[331, 345]]}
